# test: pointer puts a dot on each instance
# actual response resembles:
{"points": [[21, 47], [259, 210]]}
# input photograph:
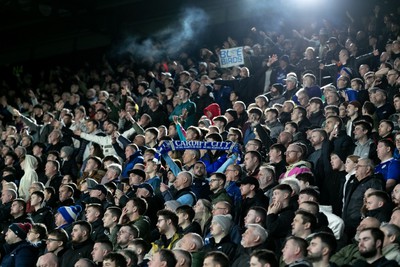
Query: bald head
{"points": [[369, 222], [48, 260]]}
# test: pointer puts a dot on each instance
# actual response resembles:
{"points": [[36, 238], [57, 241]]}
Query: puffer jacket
{"points": [[21, 254], [354, 198]]}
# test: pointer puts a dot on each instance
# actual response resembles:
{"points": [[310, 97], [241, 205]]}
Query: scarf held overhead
{"points": [[196, 145]]}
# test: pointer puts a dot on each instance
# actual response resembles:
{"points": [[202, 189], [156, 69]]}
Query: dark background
{"points": [[48, 30]]}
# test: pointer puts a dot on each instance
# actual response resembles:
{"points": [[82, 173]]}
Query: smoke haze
{"points": [[170, 39]]}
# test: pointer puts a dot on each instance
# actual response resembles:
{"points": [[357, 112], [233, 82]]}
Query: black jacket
{"points": [[44, 215], [279, 227], [343, 144], [20, 254], [382, 214], [158, 117], [316, 119], [354, 200], [243, 255], [76, 252], [225, 245], [381, 262], [5, 216], [98, 230], [241, 210]]}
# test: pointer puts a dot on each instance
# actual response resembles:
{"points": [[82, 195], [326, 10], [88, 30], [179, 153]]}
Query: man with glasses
{"points": [[167, 225], [217, 187], [356, 187], [253, 145], [233, 173], [56, 242], [294, 158], [126, 234]]}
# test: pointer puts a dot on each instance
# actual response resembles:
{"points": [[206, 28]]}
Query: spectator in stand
{"points": [[390, 248], [21, 253], [29, 165], [41, 213], [389, 167], [253, 238], [94, 214], [355, 189], [295, 154], [100, 249], [294, 252], [321, 248], [243, 116], [370, 247], [186, 110], [82, 245], [280, 215], [385, 130]]}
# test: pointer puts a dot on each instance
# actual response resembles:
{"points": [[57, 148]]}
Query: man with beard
{"points": [[322, 246], [217, 187], [167, 225], [370, 247], [319, 158], [385, 130], [295, 154], [350, 254], [200, 186], [396, 195], [82, 245]]}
